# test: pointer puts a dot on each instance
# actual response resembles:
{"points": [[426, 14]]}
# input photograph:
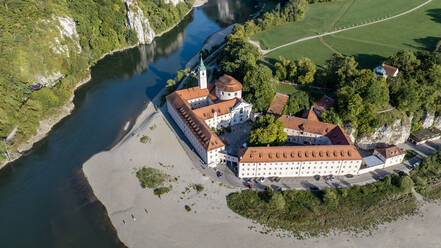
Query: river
{"points": [[45, 201]]}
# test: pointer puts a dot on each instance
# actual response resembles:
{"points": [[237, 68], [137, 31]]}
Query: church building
{"points": [[200, 110]]}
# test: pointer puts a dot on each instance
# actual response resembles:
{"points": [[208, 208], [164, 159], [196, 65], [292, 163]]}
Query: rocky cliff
{"points": [[63, 39], [138, 22], [428, 120], [396, 133], [174, 2]]}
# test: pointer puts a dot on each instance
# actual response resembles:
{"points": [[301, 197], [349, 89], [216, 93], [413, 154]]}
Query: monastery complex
{"points": [[312, 147]]}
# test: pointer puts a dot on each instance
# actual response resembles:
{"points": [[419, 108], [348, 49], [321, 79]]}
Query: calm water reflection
{"points": [[45, 200]]}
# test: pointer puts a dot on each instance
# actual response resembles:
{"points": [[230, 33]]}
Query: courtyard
{"points": [[236, 137]]}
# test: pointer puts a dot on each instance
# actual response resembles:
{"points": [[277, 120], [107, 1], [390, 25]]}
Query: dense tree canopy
{"points": [[418, 86], [267, 130], [359, 94], [297, 103], [301, 71], [238, 57], [257, 87]]}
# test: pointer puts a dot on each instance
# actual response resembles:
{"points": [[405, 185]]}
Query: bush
{"points": [[161, 190], [198, 187], [188, 208], [145, 139], [151, 177], [427, 176]]}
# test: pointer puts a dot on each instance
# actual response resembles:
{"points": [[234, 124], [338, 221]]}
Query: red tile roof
{"points": [[192, 93], [206, 137], [323, 104], [312, 115], [228, 83], [390, 70], [278, 104], [389, 152], [220, 108], [297, 153], [336, 134]]}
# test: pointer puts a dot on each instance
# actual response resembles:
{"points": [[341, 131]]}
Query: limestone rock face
{"points": [[174, 2], [437, 122], [397, 133], [67, 29], [138, 22], [428, 119]]}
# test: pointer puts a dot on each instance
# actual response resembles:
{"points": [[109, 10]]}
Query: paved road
{"points": [[264, 52]]}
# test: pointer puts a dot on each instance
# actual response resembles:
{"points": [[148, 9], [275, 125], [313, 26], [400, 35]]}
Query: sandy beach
{"points": [[210, 223]]}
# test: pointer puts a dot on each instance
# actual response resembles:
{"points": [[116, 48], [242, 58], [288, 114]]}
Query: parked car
{"points": [[262, 180], [401, 173], [313, 187], [317, 177], [332, 178], [349, 175], [277, 179], [218, 174], [276, 188], [249, 186]]}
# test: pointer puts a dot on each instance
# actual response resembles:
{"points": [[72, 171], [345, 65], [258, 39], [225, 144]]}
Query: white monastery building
{"points": [[312, 148], [199, 110], [321, 149]]}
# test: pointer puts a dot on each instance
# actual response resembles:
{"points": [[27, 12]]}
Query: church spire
{"points": [[201, 65], [202, 75]]}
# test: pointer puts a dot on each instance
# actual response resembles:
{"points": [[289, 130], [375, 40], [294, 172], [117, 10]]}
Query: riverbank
{"points": [[65, 110], [210, 223], [46, 125]]}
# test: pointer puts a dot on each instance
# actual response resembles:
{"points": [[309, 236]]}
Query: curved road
{"points": [[264, 52]]}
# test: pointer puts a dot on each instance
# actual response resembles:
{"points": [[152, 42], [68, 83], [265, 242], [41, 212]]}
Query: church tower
{"points": [[202, 75]]}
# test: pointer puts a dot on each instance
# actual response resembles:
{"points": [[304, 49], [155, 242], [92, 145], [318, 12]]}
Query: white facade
{"points": [[203, 78], [225, 95], [238, 114], [390, 161], [300, 137], [188, 133], [199, 102], [298, 169]]}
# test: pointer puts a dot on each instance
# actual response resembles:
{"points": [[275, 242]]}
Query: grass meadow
{"points": [[324, 17], [419, 30]]}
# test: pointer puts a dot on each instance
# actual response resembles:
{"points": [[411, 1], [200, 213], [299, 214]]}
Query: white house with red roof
{"points": [[386, 71]]}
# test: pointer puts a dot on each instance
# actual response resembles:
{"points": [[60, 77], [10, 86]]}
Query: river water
{"points": [[45, 201]]}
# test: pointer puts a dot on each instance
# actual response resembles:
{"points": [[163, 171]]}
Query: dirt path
{"points": [[329, 46], [264, 52]]}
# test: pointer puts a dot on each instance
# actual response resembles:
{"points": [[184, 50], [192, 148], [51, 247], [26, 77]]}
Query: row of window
{"points": [[296, 168], [305, 163]]}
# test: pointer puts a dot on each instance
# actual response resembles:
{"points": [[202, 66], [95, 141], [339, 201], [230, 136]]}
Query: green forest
{"points": [[32, 48], [359, 94]]}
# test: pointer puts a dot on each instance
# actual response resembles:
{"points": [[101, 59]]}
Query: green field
{"points": [[419, 30], [326, 17]]}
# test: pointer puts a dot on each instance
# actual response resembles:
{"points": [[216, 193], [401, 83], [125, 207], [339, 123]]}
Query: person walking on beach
{"points": [[147, 212], [133, 217], [124, 222]]}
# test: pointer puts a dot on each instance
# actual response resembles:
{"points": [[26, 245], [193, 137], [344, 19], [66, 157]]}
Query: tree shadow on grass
{"points": [[428, 43], [369, 61], [435, 14]]}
